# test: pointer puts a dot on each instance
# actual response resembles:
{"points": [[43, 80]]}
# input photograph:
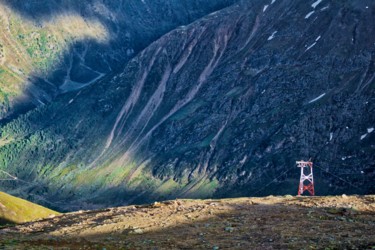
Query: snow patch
{"points": [[273, 1], [312, 45], [213, 13], [324, 8], [244, 159], [369, 131], [316, 3], [271, 36], [71, 101], [314, 100], [317, 39], [265, 8], [42, 103], [330, 136], [309, 14], [347, 157]]}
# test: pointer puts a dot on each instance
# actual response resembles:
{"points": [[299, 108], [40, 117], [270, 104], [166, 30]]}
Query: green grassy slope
{"points": [[16, 210]]}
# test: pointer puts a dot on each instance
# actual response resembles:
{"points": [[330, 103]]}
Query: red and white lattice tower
{"points": [[306, 182]]}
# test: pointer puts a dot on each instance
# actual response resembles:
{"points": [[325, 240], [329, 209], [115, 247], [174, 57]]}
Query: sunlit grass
{"points": [[19, 211]]}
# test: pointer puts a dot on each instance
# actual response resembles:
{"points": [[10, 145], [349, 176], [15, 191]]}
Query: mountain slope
{"points": [[221, 107], [16, 210], [51, 47], [288, 222]]}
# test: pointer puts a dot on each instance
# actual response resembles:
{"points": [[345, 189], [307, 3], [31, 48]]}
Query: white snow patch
{"points": [[272, 36], [347, 157], [317, 39], [71, 101], [362, 172], [363, 136], [324, 8], [312, 45], [366, 7], [309, 14], [265, 8], [213, 13], [40, 102], [370, 130], [264, 91], [316, 3], [330, 136], [244, 159], [314, 100], [273, 1]]}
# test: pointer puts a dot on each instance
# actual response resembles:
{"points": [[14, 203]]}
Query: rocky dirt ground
{"points": [[288, 222]]}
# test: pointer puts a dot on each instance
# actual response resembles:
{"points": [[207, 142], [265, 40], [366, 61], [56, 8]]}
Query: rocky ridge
{"points": [[337, 222]]}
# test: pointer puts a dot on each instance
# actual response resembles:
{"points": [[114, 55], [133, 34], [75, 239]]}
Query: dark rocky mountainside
{"points": [[221, 107]]}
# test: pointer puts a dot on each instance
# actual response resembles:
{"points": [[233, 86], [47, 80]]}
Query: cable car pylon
{"points": [[306, 182]]}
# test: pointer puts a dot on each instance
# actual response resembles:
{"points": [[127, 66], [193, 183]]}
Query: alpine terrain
{"points": [[282, 222], [108, 103]]}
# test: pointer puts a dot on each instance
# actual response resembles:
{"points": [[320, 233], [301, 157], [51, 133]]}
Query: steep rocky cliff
{"points": [[221, 107]]}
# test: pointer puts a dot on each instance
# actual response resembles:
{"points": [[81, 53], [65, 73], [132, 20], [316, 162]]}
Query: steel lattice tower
{"points": [[306, 182]]}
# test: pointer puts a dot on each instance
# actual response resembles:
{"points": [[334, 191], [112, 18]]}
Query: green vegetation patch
{"points": [[168, 187], [201, 188]]}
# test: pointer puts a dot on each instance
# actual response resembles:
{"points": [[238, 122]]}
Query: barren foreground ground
{"points": [[340, 222]]}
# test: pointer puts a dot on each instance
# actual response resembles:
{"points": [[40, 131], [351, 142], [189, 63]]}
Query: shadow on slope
{"points": [[5, 222], [130, 28]]}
